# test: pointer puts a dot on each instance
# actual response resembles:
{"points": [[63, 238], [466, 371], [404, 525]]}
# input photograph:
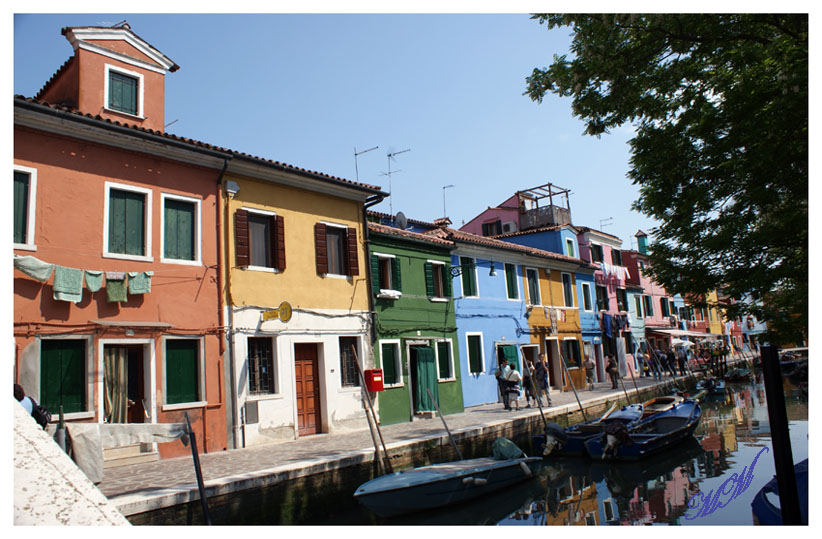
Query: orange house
{"points": [[117, 314]]}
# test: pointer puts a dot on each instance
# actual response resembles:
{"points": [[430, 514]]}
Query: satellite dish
{"points": [[401, 221]]}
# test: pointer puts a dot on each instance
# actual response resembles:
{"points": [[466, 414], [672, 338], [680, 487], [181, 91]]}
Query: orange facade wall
{"points": [[69, 231]]}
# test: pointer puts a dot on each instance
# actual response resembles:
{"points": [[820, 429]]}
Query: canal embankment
{"points": [[293, 482]]}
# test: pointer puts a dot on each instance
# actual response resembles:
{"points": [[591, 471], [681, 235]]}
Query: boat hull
{"points": [[665, 429], [438, 485], [577, 435], [766, 514]]}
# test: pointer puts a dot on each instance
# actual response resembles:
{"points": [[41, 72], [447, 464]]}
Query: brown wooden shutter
{"points": [[353, 257], [278, 242], [241, 249], [321, 248]]}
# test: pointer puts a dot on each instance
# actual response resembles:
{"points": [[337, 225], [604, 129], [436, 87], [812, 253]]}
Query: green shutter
{"points": [[396, 278], [474, 354], [178, 237], [469, 285], [122, 93], [21, 206], [448, 285], [426, 376], [429, 279], [126, 222], [389, 363], [181, 371], [511, 281], [63, 375], [444, 357], [375, 274]]}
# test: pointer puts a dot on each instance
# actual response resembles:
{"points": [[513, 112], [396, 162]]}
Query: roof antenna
{"points": [[119, 24], [390, 194], [604, 222], [356, 153]]}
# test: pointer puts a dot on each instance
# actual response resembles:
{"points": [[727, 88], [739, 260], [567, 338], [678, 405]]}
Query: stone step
{"points": [[128, 454]]}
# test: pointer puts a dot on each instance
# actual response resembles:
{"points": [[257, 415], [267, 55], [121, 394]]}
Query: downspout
{"points": [[231, 401], [370, 201]]}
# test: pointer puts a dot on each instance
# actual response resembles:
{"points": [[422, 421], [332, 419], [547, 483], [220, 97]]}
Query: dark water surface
{"points": [[731, 435]]}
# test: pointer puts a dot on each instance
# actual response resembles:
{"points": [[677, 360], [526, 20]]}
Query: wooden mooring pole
{"points": [[780, 437], [197, 471]]}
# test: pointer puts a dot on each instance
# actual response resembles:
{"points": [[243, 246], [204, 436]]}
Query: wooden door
{"points": [[306, 373]]}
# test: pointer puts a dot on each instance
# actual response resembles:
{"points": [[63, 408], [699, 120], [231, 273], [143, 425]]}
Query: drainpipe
{"points": [[231, 401], [370, 201]]}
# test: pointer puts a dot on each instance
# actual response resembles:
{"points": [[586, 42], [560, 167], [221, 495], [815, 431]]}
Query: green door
{"points": [[509, 352], [63, 375], [424, 372]]}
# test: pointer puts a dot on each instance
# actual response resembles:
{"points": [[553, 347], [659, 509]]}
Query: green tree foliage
{"points": [[720, 108]]}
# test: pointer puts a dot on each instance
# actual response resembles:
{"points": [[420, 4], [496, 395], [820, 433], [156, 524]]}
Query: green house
{"points": [[415, 328]]}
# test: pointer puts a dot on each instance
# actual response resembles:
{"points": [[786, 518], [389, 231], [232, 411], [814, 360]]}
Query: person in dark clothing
{"points": [[680, 358], [501, 375], [670, 362], [613, 371]]}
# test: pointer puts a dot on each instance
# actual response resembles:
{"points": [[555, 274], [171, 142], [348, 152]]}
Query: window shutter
{"points": [[375, 274], [321, 248], [389, 364], [241, 249], [447, 281], [353, 258], [278, 242], [429, 279], [21, 199], [396, 278]]}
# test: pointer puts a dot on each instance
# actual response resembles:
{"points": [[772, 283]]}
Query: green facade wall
{"points": [[413, 318]]}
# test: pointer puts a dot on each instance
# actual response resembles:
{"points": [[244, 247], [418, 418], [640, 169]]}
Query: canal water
{"points": [[665, 489]]}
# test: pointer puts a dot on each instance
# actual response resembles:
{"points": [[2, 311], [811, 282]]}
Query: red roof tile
{"points": [[427, 238]]}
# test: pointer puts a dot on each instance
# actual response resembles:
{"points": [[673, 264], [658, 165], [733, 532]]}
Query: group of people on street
{"points": [[534, 379]]}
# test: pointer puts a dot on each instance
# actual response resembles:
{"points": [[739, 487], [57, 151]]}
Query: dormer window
{"points": [[124, 91]]}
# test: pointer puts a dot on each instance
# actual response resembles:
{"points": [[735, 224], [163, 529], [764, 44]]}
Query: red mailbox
{"points": [[373, 380]]}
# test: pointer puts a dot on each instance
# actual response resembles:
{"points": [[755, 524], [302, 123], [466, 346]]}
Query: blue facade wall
{"points": [[497, 319]]}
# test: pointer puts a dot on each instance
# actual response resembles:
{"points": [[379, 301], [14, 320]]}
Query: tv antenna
{"points": [[604, 222], [389, 173], [444, 187], [356, 153]]}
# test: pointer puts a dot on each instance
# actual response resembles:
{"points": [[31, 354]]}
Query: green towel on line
{"points": [[94, 280], [68, 284], [116, 288], [139, 282], [34, 267]]}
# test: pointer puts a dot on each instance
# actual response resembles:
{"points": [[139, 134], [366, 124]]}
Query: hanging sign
{"points": [[284, 311]]}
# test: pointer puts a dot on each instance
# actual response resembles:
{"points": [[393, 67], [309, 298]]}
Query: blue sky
{"points": [[309, 89]]}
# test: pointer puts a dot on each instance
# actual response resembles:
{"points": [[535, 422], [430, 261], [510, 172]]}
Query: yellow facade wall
{"points": [[714, 318], [299, 284]]}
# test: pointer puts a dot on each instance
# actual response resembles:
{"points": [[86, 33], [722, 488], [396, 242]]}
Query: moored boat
{"points": [[660, 404], [438, 485], [657, 433], [570, 441], [714, 386], [766, 512]]}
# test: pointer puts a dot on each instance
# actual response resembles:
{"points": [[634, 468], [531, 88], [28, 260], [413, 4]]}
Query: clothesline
{"points": [[68, 282]]}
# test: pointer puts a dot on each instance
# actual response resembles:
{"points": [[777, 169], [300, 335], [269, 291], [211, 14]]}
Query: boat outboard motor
{"points": [[613, 436], [555, 438]]}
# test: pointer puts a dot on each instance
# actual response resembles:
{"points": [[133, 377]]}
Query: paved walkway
{"points": [[141, 487]]}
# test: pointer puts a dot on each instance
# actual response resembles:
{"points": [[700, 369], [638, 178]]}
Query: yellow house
{"points": [[714, 317], [555, 325], [296, 300]]}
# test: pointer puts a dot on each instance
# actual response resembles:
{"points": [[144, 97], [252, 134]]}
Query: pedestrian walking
{"points": [[502, 383], [541, 376], [680, 357], [612, 369], [513, 388], [589, 373], [527, 379]]}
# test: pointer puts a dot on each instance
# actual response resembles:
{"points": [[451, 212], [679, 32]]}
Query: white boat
{"points": [[437, 485]]}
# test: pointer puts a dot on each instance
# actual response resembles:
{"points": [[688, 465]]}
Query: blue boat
{"points": [[714, 386], [570, 441], [654, 434], [766, 513]]}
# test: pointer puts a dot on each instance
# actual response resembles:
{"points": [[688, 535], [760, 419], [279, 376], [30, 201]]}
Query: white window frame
{"points": [[453, 372], [275, 364], [197, 230], [345, 228], [516, 281], [266, 269], [147, 219], [91, 409], [571, 286], [528, 284], [140, 90], [392, 292], [149, 355], [586, 294], [440, 299], [468, 351], [397, 361], [571, 245], [200, 372], [31, 208]]}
